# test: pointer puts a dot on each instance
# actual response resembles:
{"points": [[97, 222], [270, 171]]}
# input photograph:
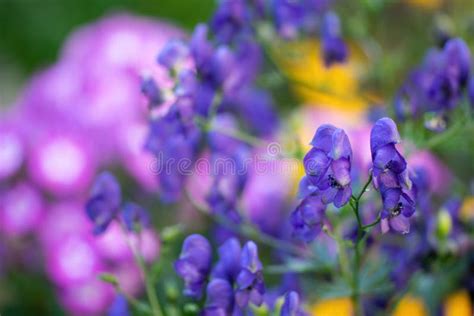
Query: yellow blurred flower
{"points": [[410, 305], [458, 304], [467, 208], [426, 4], [335, 87], [333, 307]]}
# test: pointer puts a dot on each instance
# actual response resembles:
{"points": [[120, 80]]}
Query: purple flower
{"points": [[174, 140], [104, 201], [308, 218], [391, 177], [288, 17], [230, 19], [250, 286], [201, 49], [151, 91], [291, 305], [257, 111], [194, 264], [398, 207], [228, 266], [135, 217], [328, 165], [333, 47], [119, 307], [437, 85], [219, 298], [174, 52]]}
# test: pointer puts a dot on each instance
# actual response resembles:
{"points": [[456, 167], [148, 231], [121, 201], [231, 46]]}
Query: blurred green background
{"points": [[32, 31]]}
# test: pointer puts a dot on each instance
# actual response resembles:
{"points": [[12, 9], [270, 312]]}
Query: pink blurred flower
{"points": [[61, 164], [72, 259], [11, 148], [21, 209], [90, 297], [67, 219], [136, 161]]}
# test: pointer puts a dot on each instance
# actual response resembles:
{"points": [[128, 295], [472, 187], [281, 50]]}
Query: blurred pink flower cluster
{"points": [[82, 114]]}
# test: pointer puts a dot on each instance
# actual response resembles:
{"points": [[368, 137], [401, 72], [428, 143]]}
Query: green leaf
{"points": [[109, 278]]}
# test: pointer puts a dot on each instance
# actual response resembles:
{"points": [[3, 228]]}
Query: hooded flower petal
{"points": [[194, 264], [384, 132], [104, 201]]}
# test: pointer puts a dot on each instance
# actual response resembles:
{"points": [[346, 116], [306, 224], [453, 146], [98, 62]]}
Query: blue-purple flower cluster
{"points": [[328, 179], [391, 177], [438, 85], [235, 281], [215, 76]]}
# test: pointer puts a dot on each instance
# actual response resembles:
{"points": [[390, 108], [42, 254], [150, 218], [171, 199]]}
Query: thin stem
{"points": [[373, 223], [355, 284], [361, 231], [364, 189], [244, 137], [149, 288]]}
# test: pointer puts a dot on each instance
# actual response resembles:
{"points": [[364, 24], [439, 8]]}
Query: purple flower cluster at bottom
{"points": [[236, 278]]}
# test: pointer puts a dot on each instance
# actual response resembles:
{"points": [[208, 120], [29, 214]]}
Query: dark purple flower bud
{"points": [[194, 264], [173, 53], [119, 307], [291, 305], [288, 17], [333, 47], [104, 201], [151, 91], [219, 298], [438, 84], [458, 60], [134, 216], [250, 286], [230, 19], [201, 48], [308, 218], [228, 266]]}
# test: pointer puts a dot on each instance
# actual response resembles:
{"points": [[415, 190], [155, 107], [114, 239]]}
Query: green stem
{"points": [[355, 284], [361, 230], [244, 137], [149, 288], [365, 227], [364, 189]]}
